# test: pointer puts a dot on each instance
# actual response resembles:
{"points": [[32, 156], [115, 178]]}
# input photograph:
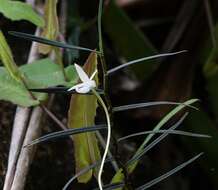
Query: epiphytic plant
{"points": [[83, 107]]}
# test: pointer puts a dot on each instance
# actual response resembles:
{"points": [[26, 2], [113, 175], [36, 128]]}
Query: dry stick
{"points": [[26, 155], [19, 129]]}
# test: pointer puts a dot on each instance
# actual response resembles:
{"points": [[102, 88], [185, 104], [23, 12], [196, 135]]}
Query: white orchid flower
{"points": [[87, 83]]}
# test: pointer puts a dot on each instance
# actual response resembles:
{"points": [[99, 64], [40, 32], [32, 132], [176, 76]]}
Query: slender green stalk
{"points": [[100, 44], [100, 9], [108, 138]]}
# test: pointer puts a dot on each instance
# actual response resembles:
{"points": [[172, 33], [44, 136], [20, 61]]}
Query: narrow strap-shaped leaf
{"points": [[143, 59], [63, 90], [112, 186], [168, 174], [49, 42], [174, 132], [83, 171], [66, 133], [100, 10], [119, 175], [147, 104], [155, 142]]}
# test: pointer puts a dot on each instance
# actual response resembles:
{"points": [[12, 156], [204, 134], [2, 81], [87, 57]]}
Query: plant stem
{"points": [[108, 138]]}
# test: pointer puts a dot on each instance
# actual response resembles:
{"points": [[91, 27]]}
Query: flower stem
{"points": [[108, 138]]}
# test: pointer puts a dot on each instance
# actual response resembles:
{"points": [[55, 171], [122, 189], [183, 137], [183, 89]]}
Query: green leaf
{"points": [[168, 174], [16, 10], [50, 42], [173, 132], [51, 29], [66, 133], [84, 171], [136, 61], [39, 74], [119, 176], [14, 91], [129, 41], [140, 153], [82, 113], [43, 73], [7, 59]]}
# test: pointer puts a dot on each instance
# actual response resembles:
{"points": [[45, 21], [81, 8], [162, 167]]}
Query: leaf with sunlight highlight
{"points": [[16, 10], [7, 59]]}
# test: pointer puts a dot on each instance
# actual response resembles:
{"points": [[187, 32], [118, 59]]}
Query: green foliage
{"points": [[14, 91], [119, 176], [129, 41], [16, 10], [51, 29], [131, 44], [7, 59], [82, 113], [39, 74]]}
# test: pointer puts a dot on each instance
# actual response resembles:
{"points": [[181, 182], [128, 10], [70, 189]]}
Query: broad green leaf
{"points": [[16, 10], [51, 29], [7, 59], [44, 72], [129, 41], [39, 74], [14, 91], [82, 113]]}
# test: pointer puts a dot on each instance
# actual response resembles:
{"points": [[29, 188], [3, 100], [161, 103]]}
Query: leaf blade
{"points": [[82, 113], [16, 10], [171, 172]]}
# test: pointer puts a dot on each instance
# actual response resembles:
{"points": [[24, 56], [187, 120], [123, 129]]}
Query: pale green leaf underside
{"points": [[16, 10]]}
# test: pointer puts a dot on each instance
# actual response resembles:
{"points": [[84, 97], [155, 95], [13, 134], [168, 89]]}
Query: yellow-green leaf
{"points": [[16, 10], [81, 114], [51, 29], [7, 59]]}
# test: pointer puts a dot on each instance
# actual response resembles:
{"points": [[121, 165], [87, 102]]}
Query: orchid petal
{"points": [[82, 75]]}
